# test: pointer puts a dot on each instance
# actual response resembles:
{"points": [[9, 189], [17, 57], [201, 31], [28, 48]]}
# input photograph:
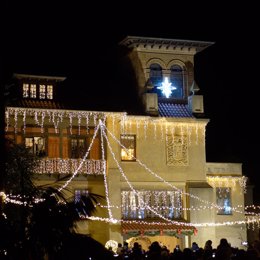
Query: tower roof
{"points": [[28, 76], [164, 43]]}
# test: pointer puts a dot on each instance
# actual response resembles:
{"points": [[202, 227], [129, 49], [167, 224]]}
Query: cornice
{"points": [[146, 43]]}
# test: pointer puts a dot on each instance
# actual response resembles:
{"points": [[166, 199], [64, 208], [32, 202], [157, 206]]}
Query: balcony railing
{"points": [[69, 166]]}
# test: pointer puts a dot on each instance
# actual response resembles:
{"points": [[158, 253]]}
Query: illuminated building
{"points": [[151, 167]]}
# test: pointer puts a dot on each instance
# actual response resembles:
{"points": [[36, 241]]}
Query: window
{"points": [[33, 91], [36, 145], [129, 152], [80, 204], [79, 193], [223, 196], [49, 92], [177, 80], [78, 143], [165, 203], [25, 90], [42, 91], [78, 147], [156, 74]]}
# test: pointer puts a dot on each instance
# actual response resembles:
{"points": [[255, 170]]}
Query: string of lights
{"points": [[84, 158], [192, 208], [104, 171], [16, 199], [164, 181], [57, 116], [248, 222], [111, 219], [132, 188], [252, 222]]}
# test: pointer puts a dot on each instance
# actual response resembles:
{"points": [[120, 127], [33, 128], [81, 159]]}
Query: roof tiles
{"points": [[174, 110]]}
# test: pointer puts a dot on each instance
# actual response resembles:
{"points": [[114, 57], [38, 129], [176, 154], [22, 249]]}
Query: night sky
{"points": [[54, 39]]}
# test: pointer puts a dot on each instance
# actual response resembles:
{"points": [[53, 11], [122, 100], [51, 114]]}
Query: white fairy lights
{"points": [[167, 203], [189, 129], [167, 183], [134, 191], [7, 120], [80, 165], [66, 166], [159, 177], [252, 221], [104, 171], [227, 181], [192, 208], [55, 117]]}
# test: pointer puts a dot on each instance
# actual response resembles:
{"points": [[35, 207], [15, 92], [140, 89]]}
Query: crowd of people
{"points": [[224, 251]]}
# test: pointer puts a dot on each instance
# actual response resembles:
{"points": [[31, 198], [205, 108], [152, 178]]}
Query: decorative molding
{"points": [[177, 150]]}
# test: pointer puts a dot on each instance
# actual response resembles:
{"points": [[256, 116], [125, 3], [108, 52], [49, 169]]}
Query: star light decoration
{"points": [[166, 87]]}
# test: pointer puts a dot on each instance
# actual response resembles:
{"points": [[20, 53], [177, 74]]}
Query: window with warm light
{"points": [[78, 147], [223, 196], [42, 91], [36, 145], [128, 151], [49, 92], [79, 142], [33, 91], [25, 90]]}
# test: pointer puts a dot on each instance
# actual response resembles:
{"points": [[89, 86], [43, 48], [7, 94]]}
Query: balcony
{"points": [[69, 166]]}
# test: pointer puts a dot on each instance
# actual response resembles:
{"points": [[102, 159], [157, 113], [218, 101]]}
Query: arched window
{"points": [[177, 80], [155, 74]]}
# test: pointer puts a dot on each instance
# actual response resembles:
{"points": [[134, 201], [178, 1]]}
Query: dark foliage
{"points": [[35, 229]]}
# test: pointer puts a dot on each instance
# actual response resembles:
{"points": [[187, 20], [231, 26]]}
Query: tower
{"points": [[164, 71]]}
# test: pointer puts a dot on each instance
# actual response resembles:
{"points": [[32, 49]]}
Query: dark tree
{"points": [[37, 222]]}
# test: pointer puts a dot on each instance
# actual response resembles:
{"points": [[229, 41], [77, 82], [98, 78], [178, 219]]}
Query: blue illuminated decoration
{"points": [[227, 208], [224, 200], [166, 87]]}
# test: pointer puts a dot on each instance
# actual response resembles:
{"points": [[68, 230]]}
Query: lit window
{"points": [[25, 90], [80, 202], [49, 91], [33, 91], [129, 152], [223, 196], [42, 91], [156, 74], [78, 147], [177, 80], [36, 145]]}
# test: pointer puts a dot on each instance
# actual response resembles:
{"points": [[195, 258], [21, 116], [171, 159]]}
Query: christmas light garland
{"points": [[84, 158], [66, 166], [104, 172], [57, 118], [130, 185]]}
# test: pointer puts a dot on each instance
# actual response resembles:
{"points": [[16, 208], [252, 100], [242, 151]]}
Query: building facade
{"points": [[151, 168]]}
